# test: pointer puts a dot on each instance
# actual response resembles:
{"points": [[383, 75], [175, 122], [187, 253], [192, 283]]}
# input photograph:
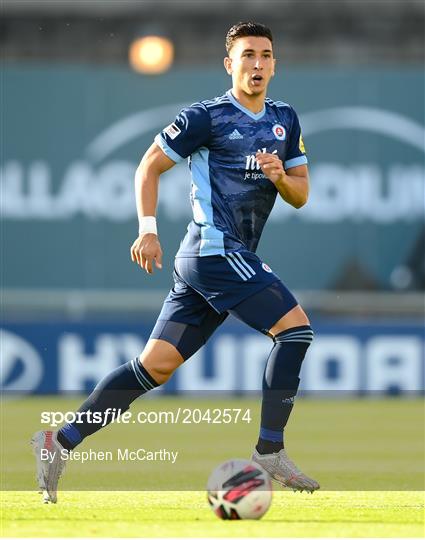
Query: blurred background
{"points": [[86, 86]]}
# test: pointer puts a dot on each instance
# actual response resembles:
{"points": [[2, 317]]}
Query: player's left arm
{"points": [[292, 184], [291, 177]]}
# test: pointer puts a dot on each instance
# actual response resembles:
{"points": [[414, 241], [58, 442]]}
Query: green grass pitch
{"points": [[186, 514], [367, 455]]}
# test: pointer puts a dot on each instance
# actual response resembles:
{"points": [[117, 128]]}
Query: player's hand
{"points": [[145, 250], [271, 166]]}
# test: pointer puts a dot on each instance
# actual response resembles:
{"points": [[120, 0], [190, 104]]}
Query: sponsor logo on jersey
{"points": [[235, 135], [279, 132], [252, 164], [172, 131], [301, 145], [267, 268]]}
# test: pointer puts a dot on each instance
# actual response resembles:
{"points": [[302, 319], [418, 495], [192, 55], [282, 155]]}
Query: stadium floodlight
{"points": [[151, 54]]}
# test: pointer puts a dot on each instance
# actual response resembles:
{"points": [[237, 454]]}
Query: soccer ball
{"points": [[239, 489]]}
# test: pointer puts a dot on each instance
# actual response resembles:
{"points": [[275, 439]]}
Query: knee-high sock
{"points": [[280, 385], [115, 391]]}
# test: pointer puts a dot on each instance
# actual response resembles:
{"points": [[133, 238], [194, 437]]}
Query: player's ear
{"points": [[274, 66], [228, 65]]}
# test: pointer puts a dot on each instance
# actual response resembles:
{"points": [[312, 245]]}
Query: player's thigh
{"points": [[172, 341], [271, 310], [186, 322]]}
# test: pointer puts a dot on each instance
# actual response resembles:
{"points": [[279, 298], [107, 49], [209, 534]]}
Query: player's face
{"points": [[251, 64]]}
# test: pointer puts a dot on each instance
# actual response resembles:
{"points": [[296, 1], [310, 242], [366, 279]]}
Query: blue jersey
{"points": [[231, 197]]}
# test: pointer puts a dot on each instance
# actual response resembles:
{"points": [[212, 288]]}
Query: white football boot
{"points": [[284, 471], [51, 467]]}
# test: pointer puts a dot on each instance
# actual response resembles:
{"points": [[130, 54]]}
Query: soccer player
{"points": [[244, 149]]}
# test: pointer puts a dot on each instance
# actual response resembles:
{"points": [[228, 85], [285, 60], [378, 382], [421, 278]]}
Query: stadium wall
{"points": [[76, 135]]}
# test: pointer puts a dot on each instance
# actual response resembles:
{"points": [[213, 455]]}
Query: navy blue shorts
{"points": [[207, 289]]}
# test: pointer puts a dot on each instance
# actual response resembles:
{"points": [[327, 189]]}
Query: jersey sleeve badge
{"points": [[172, 131], [301, 145]]}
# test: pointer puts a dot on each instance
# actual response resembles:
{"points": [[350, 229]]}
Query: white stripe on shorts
{"points": [[243, 261], [236, 269], [242, 268]]}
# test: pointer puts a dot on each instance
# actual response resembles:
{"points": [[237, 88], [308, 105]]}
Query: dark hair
{"points": [[244, 29]]}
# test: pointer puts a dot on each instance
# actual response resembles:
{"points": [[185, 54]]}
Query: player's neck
{"points": [[254, 104]]}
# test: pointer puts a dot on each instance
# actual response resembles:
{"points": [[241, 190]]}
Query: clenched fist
{"points": [[146, 249], [271, 166]]}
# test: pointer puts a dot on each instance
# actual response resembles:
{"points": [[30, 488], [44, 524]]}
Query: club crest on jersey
{"points": [[279, 132], [267, 268], [172, 131]]}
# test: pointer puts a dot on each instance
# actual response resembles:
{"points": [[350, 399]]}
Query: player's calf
{"points": [[115, 391], [280, 385]]}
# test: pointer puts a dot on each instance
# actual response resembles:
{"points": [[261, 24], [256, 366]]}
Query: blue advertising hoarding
{"points": [[347, 356]]}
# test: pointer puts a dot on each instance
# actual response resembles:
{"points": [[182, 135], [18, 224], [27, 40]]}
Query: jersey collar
{"points": [[235, 102]]}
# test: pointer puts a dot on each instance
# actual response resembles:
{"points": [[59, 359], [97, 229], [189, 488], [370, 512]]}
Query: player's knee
{"points": [[294, 318], [160, 359], [160, 375], [160, 369]]}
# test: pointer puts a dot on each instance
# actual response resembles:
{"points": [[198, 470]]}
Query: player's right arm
{"points": [[189, 131], [146, 248]]}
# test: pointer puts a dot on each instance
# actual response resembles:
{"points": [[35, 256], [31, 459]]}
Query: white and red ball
{"points": [[239, 489]]}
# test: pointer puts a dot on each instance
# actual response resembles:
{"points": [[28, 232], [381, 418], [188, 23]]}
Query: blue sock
{"points": [[280, 385], [115, 391]]}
